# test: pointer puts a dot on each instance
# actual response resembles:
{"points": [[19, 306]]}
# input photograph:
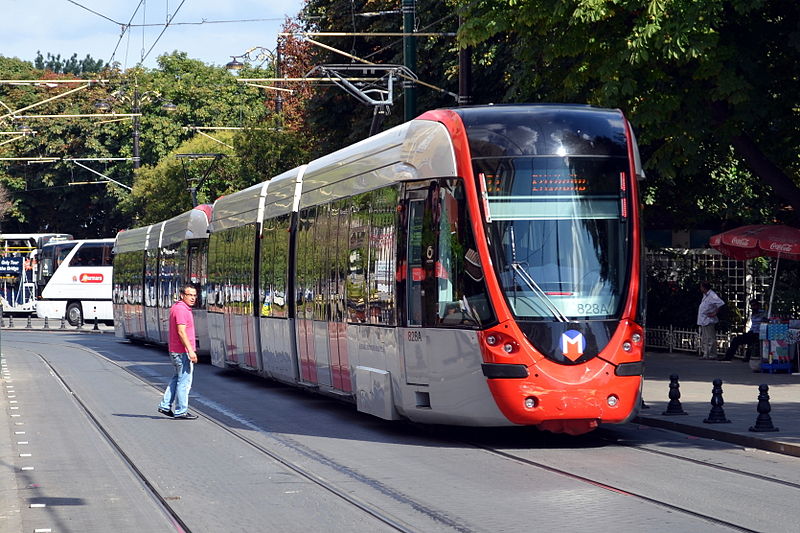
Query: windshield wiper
{"points": [[530, 282], [534, 287]]}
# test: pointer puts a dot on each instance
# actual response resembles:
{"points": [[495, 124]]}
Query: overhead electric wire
{"points": [[93, 11], [162, 31], [204, 21], [125, 28]]}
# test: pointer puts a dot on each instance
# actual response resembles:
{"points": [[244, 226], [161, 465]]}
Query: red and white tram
{"points": [[474, 266], [150, 265]]}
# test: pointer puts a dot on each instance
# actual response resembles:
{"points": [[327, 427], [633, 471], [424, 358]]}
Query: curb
{"points": [[722, 436]]}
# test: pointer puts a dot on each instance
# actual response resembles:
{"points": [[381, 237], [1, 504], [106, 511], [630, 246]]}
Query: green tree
{"points": [[708, 83], [205, 97], [73, 65], [161, 190], [340, 119]]}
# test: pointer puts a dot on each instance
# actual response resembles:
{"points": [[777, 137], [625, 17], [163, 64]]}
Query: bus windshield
{"points": [[50, 257], [558, 232]]}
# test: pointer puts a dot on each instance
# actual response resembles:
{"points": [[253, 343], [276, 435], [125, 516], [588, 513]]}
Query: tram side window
{"points": [[266, 268], [168, 276], [445, 278], [212, 288], [358, 254], [340, 214], [461, 288], [197, 252], [305, 269], [381, 266], [150, 277], [280, 267], [319, 264]]}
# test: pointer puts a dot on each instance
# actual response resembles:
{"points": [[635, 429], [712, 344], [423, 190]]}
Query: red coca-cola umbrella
{"points": [[748, 242]]}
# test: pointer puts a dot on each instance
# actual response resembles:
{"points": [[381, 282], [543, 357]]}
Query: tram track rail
{"points": [[699, 462], [390, 520], [150, 489], [305, 473], [612, 488]]}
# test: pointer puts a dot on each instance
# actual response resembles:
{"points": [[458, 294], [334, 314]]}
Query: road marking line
{"points": [[26, 468], [38, 505], [22, 442], [26, 455]]}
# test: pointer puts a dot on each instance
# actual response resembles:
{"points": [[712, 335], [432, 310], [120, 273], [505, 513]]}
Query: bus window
{"points": [[92, 254]]}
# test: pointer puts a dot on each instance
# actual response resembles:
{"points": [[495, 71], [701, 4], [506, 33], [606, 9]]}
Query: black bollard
{"points": [[46, 323], [95, 328], [63, 322], [28, 325], [674, 407], [10, 321], [717, 413], [80, 323], [763, 421]]}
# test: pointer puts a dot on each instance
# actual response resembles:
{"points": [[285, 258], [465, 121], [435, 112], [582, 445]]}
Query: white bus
{"points": [[18, 253], [74, 280]]}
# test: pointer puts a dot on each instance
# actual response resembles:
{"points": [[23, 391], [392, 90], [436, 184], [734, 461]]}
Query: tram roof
{"points": [[130, 240], [509, 130], [154, 236], [192, 224], [239, 208], [281, 193], [264, 200], [415, 150]]}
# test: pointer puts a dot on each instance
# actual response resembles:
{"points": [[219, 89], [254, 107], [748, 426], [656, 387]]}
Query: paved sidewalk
{"points": [[740, 396]]}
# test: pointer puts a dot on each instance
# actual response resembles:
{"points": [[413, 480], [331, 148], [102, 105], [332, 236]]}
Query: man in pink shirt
{"points": [[182, 352]]}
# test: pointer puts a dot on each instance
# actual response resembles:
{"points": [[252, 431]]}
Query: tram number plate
{"points": [[591, 309], [414, 336]]}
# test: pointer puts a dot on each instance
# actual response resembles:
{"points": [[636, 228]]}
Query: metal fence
{"points": [[682, 340], [739, 281]]}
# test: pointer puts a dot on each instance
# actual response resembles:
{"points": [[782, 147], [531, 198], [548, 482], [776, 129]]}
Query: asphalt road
{"points": [[266, 457]]}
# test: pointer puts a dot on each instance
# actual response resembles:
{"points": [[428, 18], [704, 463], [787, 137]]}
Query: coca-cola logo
{"points": [[741, 241], [777, 247], [91, 278]]}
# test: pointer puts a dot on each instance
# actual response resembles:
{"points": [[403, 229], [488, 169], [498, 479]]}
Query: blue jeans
{"points": [[178, 389]]}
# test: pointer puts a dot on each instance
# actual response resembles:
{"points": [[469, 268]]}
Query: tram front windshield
{"points": [[557, 201]]}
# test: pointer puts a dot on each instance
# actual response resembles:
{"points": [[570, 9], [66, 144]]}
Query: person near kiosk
{"points": [[757, 316], [707, 320]]}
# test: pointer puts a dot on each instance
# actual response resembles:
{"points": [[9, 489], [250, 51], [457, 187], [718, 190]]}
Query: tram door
{"points": [[420, 264]]}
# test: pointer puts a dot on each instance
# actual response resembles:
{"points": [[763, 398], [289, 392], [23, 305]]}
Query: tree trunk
{"points": [[785, 189]]}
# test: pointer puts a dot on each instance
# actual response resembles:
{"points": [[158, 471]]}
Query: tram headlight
{"points": [[613, 400], [530, 402], [508, 347], [627, 346], [492, 340], [636, 338]]}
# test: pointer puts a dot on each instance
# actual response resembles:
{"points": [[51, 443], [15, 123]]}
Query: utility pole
{"points": [[409, 58], [136, 127], [279, 97], [464, 73]]}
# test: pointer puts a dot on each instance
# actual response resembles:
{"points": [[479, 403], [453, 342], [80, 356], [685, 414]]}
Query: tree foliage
{"points": [[339, 118], [207, 100], [710, 85], [73, 65]]}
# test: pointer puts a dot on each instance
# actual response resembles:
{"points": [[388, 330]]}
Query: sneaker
{"points": [[186, 416], [167, 412]]}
